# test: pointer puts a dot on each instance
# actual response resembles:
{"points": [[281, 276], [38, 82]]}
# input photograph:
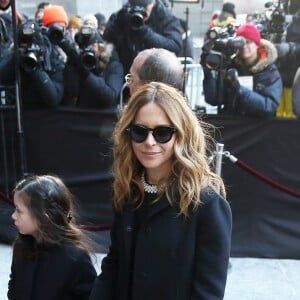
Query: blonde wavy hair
{"points": [[190, 171]]}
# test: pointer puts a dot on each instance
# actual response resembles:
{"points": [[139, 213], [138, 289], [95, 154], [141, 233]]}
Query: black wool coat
{"points": [[161, 30], [56, 273], [169, 257]]}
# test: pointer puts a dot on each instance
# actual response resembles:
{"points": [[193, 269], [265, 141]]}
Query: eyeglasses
{"points": [[128, 78], [162, 134]]}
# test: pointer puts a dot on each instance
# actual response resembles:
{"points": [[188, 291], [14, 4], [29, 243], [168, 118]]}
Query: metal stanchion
{"points": [[219, 157], [19, 110], [121, 103]]}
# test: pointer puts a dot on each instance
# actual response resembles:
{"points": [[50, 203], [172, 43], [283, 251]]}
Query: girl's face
{"points": [[154, 156], [22, 217]]}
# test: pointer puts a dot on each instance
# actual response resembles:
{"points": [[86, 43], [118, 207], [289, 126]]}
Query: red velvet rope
{"points": [[6, 199], [267, 179]]}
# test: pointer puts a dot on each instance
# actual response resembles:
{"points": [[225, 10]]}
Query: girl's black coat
{"points": [[175, 257], [58, 273]]}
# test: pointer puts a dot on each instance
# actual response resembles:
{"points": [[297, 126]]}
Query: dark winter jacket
{"points": [[168, 256], [161, 30], [96, 88], [289, 63], [41, 86], [265, 96], [56, 273]]}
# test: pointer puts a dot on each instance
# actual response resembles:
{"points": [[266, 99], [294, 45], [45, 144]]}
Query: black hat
{"points": [[229, 8], [100, 18]]}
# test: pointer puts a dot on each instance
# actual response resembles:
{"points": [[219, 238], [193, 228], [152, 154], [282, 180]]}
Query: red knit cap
{"points": [[55, 14], [250, 32]]}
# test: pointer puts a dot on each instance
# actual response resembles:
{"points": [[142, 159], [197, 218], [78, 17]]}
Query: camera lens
{"points": [[88, 59], [136, 21], [29, 61], [56, 33], [56, 36], [137, 15]]}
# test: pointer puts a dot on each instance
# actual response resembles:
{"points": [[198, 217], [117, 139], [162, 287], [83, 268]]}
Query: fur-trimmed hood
{"points": [[105, 54], [267, 55]]}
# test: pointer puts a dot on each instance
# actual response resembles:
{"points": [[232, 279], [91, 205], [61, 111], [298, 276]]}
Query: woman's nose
{"points": [[150, 139]]}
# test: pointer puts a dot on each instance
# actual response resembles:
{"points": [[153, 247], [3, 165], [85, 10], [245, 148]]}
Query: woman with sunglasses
{"points": [[172, 229]]}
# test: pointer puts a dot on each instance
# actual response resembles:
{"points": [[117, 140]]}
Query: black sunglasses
{"points": [[162, 134]]}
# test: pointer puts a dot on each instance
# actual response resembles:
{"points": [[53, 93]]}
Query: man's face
{"points": [[149, 9], [136, 82]]}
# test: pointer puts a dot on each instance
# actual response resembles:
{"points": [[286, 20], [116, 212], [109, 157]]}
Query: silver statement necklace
{"points": [[149, 188]]}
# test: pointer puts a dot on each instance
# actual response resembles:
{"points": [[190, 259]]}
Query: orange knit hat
{"points": [[55, 14], [76, 22]]}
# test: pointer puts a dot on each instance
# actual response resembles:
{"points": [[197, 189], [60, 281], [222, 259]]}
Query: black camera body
{"points": [[274, 24], [136, 15], [30, 41], [221, 46], [85, 37], [277, 22]]}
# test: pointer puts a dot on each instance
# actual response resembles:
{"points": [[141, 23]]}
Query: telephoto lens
{"points": [[56, 33], [137, 15]]}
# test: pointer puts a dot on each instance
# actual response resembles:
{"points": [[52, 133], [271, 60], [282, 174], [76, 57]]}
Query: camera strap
{"points": [[47, 56], [4, 38]]}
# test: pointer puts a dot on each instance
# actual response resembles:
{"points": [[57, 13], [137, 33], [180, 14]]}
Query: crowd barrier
{"points": [[76, 145]]}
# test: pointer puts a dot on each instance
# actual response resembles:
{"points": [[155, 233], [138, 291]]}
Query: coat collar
{"points": [[267, 55]]}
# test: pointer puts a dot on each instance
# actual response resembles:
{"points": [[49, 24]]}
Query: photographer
{"points": [[288, 63], [41, 63], [93, 74], [6, 26], [256, 58], [226, 17], [142, 24]]}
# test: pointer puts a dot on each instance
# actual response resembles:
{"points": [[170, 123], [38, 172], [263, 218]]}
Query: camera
{"points": [[56, 33], [85, 37], [221, 32], [221, 46], [30, 40], [273, 23], [224, 49], [277, 18], [136, 16]]}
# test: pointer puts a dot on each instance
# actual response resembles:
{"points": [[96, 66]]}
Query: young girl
{"points": [[50, 256]]}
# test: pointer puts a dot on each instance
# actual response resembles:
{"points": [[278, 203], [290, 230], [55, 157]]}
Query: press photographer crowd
{"points": [[249, 67]]}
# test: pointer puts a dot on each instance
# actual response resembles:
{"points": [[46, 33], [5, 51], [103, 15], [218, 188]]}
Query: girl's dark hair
{"points": [[50, 203]]}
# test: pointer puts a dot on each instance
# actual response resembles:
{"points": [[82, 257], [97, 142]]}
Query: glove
{"points": [[231, 81], [82, 71], [69, 47], [140, 29], [74, 58]]}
